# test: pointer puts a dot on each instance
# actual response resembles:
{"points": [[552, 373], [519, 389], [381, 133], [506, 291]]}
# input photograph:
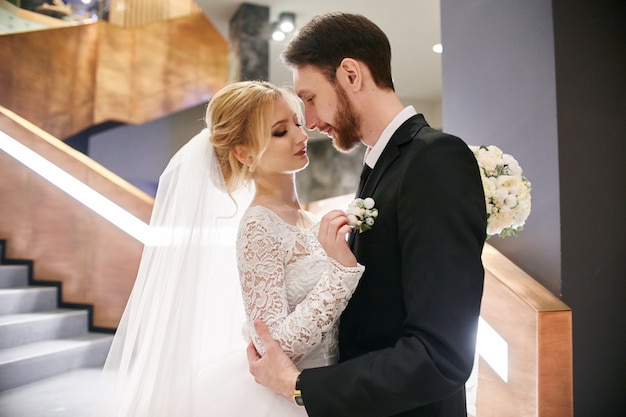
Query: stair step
{"points": [[21, 329], [36, 361], [38, 340], [27, 299], [13, 276]]}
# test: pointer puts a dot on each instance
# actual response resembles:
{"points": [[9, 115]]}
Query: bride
{"points": [[214, 267]]}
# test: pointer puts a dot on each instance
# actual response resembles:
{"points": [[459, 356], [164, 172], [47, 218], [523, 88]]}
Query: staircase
{"points": [[39, 339]]}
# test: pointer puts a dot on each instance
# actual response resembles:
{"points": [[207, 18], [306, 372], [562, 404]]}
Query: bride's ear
{"points": [[243, 156]]}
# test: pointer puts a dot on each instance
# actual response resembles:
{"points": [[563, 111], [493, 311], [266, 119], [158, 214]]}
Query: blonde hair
{"points": [[239, 115]]}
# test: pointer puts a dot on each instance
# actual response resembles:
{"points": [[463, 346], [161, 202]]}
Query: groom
{"points": [[408, 335]]}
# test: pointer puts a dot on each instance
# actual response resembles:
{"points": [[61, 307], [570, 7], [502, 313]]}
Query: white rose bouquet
{"points": [[362, 214], [507, 191]]}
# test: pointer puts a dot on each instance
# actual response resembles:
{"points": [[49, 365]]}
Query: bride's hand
{"points": [[332, 236]]}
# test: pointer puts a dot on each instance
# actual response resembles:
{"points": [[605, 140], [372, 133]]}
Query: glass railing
{"points": [[20, 16]]}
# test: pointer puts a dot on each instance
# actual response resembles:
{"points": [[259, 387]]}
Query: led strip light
{"points": [[75, 188]]}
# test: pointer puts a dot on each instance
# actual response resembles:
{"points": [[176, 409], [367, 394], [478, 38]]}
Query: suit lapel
{"points": [[405, 133], [390, 154]]}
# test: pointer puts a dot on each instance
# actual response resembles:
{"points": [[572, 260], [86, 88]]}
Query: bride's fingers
{"points": [[339, 227], [343, 231], [333, 220], [328, 219], [332, 215]]}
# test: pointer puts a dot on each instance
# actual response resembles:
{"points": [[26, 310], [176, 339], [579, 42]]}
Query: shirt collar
{"points": [[373, 153]]}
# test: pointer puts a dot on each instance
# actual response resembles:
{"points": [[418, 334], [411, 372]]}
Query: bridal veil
{"points": [[185, 309]]}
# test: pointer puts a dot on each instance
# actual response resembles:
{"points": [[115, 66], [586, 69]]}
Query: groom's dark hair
{"points": [[327, 39]]}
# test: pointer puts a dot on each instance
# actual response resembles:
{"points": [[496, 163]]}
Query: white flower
{"points": [[507, 191], [362, 214], [490, 156], [353, 211]]}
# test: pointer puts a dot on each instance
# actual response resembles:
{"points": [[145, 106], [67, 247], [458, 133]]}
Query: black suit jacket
{"points": [[408, 335]]}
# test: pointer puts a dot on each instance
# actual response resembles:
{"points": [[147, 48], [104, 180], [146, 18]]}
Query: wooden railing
{"points": [[537, 327]]}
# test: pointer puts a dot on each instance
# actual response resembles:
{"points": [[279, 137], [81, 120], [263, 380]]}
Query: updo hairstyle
{"points": [[239, 114]]}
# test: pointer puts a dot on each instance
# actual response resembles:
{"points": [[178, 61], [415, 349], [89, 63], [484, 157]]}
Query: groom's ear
{"points": [[350, 74]]}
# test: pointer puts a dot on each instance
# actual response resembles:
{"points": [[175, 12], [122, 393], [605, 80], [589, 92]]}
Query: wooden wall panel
{"points": [[216, 59], [113, 74], [49, 75], [162, 68], [65, 80], [6, 76]]}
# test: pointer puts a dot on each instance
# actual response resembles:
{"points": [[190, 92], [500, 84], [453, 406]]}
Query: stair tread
{"points": [[7, 319], [20, 267], [50, 347]]}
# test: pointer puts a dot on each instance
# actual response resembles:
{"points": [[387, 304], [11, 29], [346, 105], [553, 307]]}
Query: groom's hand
{"points": [[274, 370]]}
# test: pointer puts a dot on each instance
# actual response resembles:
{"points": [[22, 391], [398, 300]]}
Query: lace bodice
{"points": [[288, 281]]}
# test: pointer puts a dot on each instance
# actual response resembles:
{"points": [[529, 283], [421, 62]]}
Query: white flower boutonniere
{"points": [[507, 191], [362, 214]]}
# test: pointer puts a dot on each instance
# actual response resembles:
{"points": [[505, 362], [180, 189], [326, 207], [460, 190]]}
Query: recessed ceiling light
{"points": [[437, 48]]}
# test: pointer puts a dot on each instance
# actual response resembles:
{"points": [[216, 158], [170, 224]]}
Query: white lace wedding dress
{"points": [[179, 349], [289, 282]]}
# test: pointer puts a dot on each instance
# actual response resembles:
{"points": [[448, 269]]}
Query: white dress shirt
{"points": [[372, 154]]}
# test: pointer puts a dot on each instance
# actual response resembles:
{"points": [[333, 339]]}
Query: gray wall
{"points": [[139, 153], [545, 81], [499, 89]]}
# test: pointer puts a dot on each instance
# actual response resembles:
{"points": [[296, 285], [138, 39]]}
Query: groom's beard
{"points": [[347, 129]]}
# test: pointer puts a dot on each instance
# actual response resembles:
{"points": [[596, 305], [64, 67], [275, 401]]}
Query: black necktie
{"points": [[364, 174]]}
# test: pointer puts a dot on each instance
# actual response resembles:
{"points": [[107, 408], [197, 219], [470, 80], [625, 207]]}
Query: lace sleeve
{"points": [[262, 259]]}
